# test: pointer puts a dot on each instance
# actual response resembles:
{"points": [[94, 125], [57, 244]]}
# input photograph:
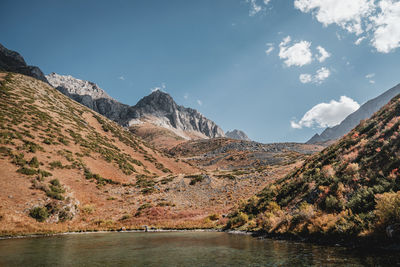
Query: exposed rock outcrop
{"points": [[13, 62], [237, 134], [158, 107]]}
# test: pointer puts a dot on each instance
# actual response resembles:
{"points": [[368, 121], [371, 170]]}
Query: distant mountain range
{"points": [[351, 121], [158, 108]]}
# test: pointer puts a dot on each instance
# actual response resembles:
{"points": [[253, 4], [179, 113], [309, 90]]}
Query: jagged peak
{"points": [[76, 86]]}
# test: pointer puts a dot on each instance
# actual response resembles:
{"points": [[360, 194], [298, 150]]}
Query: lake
{"points": [[178, 249]]}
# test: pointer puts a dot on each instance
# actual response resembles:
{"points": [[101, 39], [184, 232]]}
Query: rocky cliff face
{"points": [[351, 121], [161, 105], [158, 108], [13, 62], [237, 134], [89, 94]]}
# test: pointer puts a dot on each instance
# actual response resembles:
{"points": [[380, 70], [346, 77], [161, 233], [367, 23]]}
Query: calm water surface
{"points": [[179, 249]]}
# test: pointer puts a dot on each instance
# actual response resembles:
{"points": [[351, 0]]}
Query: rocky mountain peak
{"points": [[237, 134], [157, 101], [73, 86]]}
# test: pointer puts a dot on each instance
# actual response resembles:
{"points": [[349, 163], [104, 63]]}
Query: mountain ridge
{"points": [[364, 112], [158, 107], [12, 61]]}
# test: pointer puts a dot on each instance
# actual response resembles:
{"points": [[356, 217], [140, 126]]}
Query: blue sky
{"points": [[211, 55]]}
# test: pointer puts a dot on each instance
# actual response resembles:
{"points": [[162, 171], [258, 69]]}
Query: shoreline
{"points": [[369, 243], [21, 236]]}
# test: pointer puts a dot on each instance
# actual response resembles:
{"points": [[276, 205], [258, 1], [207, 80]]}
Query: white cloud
{"points": [[359, 40], [369, 76], [199, 102], [327, 114], [387, 26], [379, 18], [323, 54], [159, 88], [254, 7], [347, 14], [298, 54], [305, 78], [321, 75], [270, 48], [257, 7], [122, 78]]}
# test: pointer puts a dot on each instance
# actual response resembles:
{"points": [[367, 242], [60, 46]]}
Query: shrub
{"points": [[125, 217], [63, 141], [56, 164], [238, 219], [213, 217], [388, 208], [34, 162], [88, 209], [332, 204], [39, 213], [27, 171]]}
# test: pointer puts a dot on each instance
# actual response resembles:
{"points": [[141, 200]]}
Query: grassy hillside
{"points": [[60, 160], [64, 167], [349, 189]]}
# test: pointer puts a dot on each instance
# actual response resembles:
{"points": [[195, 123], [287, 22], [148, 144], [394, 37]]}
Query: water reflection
{"points": [[178, 249]]}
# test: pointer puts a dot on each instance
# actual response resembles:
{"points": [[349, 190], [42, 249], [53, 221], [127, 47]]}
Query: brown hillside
{"points": [[66, 168]]}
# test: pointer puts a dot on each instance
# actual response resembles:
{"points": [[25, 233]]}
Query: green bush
{"points": [[56, 164], [39, 213], [27, 171], [34, 162]]}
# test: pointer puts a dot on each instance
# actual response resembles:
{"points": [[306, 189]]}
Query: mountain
{"points": [[351, 121], [14, 62], [158, 108], [238, 135], [64, 167], [350, 189]]}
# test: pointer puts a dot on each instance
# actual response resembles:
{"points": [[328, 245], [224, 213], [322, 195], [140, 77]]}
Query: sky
{"points": [[280, 70]]}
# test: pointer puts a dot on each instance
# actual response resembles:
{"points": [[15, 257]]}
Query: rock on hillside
{"points": [[238, 135], [351, 121], [13, 62]]}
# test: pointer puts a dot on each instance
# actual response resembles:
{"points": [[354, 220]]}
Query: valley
{"points": [[74, 159]]}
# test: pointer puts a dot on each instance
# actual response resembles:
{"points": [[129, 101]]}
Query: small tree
{"points": [[39, 213]]}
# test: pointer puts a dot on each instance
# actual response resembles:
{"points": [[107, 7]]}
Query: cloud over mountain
{"points": [[327, 114]]}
